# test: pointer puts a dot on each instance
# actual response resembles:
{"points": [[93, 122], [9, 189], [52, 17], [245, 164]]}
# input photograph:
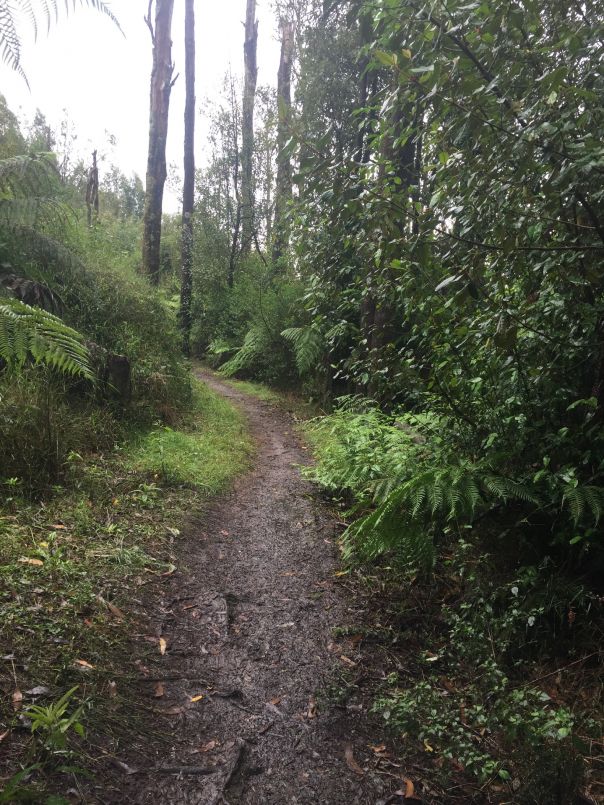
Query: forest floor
{"points": [[255, 653]]}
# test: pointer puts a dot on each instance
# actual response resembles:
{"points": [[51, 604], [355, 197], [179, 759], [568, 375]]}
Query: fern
{"points": [[12, 10], [31, 332], [404, 522], [583, 499], [253, 345], [308, 345]]}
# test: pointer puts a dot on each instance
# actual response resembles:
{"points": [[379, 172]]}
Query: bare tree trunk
{"points": [[188, 193], [235, 166], [247, 127], [283, 191], [161, 86], [92, 192]]}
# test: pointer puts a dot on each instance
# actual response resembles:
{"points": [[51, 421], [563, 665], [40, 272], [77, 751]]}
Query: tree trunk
{"points": [[188, 194], [283, 191], [235, 167], [247, 128], [161, 86], [92, 192]]}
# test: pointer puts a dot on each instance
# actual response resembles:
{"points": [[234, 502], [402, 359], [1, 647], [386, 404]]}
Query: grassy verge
{"points": [[72, 573]]}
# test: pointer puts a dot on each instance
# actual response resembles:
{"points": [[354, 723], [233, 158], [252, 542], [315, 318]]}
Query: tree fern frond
{"points": [[252, 346], [28, 331], [10, 10], [27, 174], [308, 345], [10, 41]]}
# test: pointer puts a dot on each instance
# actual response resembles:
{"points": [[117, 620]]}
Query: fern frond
{"points": [[10, 10], [28, 331], [10, 41], [580, 499], [27, 174], [252, 346], [308, 345]]}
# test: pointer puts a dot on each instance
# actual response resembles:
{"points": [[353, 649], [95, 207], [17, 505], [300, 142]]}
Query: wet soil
{"points": [[250, 630]]}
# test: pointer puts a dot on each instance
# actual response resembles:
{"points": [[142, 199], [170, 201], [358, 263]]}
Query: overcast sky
{"points": [[101, 78]]}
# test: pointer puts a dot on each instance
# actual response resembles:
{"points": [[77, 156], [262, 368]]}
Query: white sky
{"points": [[86, 67]]}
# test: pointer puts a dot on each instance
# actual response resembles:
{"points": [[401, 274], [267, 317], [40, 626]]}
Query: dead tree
{"points": [[92, 192], [283, 191], [161, 86], [247, 127], [188, 194]]}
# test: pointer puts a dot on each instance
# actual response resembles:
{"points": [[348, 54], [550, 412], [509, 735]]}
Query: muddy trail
{"points": [[251, 631]]}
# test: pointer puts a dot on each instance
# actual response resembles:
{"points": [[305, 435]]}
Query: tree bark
{"points": [[247, 127], [283, 190], [188, 194], [161, 86], [92, 192]]}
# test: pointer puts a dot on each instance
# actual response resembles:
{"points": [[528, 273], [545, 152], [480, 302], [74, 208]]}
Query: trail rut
{"points": [[250, 629]]}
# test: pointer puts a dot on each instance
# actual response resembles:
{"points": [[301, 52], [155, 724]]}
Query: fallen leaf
{"points": [[115, 611], [288, 573], [276, 700], [224, 533], [59, 527], [197, 698], [162, 646], [409, 788], [84, 664], [25, 560], [17, 699], [4, 735], [427, 747], [379, 749], [351, 762], [311, 710], [39, 690], [158, 691], [207, 747], [88, 623], [341, 573], [348, 661], [112, 690], [142, 668]]}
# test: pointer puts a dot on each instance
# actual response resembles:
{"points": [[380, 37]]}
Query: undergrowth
{"points": [[496, 603]]}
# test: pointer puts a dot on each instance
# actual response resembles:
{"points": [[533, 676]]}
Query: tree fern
{"points": [[308, 345], [12, 11], [29, 332], [253, 345]]}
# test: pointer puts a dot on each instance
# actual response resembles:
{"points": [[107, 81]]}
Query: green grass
{"points": [[258, 390], [211, 448]]}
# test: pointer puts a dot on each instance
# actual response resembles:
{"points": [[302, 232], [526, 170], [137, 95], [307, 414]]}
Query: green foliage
{"points": [[28, 332], [52, 725], [308, 346]]}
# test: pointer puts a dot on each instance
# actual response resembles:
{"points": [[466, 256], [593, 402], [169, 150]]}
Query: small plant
{"points": [[52, 726]]}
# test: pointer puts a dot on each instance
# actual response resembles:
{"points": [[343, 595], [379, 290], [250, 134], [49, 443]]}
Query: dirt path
{"points": [[251, 631]]}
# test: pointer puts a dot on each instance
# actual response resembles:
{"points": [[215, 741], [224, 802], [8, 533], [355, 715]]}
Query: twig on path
{"points": [[185, 770]]}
